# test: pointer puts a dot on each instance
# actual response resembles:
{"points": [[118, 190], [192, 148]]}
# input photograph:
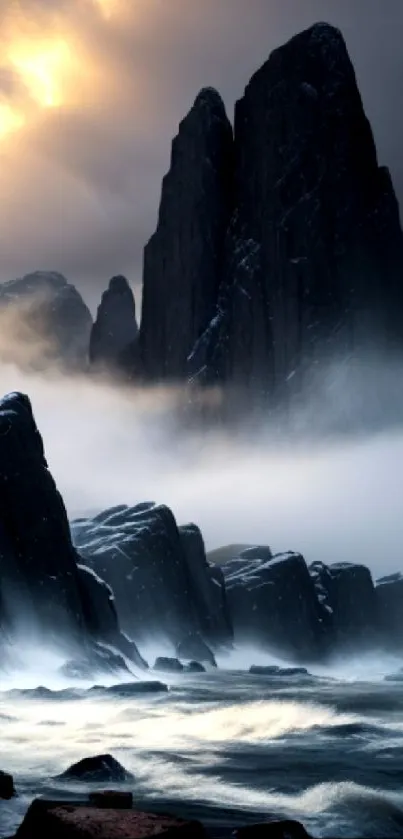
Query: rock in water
{"points": [[115, 327], [313, 210], [183, 259], [75, 821], [158, 572], [347, 594], [389, 597], [168, 665], [41, 583], [273, 602], [281, 829], [194, 649], [98, 769], [44, 320], [7, 789]]}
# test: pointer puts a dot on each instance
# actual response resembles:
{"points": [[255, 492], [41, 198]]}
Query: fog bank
{"points": [[332, 496]]}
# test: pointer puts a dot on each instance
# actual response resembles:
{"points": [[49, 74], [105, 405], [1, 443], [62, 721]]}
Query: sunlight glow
{"points": [[106, 7], [10, 120], [41, 67]]}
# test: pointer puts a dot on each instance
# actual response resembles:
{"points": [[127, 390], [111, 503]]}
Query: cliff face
{"points": [[183, 259], [313, 253], [316, 219], [115, 326]]}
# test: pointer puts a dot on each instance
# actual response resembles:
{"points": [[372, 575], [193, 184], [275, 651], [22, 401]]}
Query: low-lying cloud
{"points": [[324, 488]]}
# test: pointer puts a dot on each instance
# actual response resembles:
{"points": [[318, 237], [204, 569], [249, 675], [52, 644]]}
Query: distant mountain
{"points": [[44, 321]]}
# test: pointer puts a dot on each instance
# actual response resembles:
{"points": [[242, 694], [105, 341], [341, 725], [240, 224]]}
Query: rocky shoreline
{"points": [[99, 588], [112, 814]]}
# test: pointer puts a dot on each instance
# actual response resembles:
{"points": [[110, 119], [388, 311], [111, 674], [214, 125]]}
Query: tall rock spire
{"points": [[183, 259], [315, 254], [115, 327]]}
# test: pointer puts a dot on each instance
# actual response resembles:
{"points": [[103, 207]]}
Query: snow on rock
{"points": [[162, 582]]}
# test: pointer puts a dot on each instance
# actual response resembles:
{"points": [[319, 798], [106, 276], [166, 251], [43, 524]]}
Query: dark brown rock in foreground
{"points": [[111, 799], [284, 829], [69, 821]]}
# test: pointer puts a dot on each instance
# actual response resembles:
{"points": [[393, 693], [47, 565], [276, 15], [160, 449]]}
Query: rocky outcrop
{"points": [[315, 250], [184, 258], [308, 269], [161, 580], [347, 593], [273, 603], [115, 327], [41, 584], [389, 598], [98, 769], [44, 321]]}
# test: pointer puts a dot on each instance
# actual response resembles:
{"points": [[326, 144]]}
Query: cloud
{"points": [[92, 91]]}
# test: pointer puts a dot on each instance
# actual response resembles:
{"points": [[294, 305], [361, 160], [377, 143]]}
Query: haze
{"points": [[92, 91], [332, 496]]}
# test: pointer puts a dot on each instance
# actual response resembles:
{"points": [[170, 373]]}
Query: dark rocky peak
{"points": [[314, 261], [183, 259], [115, 327]]}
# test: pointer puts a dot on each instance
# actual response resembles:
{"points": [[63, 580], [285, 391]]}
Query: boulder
{"points": [[161, 580], [111, 799], [184, 257], [192, 647], [281, 829], [129, 689], [81, 821], [389, 598], [115, 326], [347, 593], [274, 670], [195, 667], [168, 665], [273, 603], [48, 322], [7, 789], [97, 769]]}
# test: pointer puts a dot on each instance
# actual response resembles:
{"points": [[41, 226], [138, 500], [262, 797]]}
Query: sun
{"points": [[42, 68]]}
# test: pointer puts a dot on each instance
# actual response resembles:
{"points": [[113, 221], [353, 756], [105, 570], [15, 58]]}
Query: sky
{"points": [[91, 94]]}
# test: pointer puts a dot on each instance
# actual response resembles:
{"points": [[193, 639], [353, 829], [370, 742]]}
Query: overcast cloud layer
{"points": [[91, 93]]}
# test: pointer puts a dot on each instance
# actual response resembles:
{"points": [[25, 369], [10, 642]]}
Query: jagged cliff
{"points": [[281, 248], [183, 259]]}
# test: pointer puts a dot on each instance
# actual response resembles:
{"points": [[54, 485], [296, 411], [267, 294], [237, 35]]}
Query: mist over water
{"points": [[226, 747], [329, 484]]}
